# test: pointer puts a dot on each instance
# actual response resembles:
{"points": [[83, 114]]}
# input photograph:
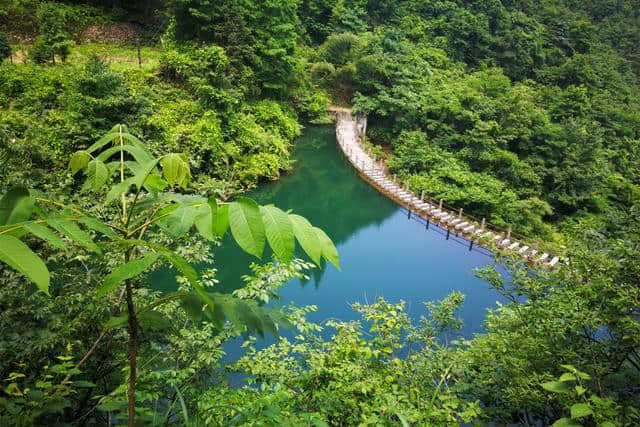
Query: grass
{"points": [[120, 57]]}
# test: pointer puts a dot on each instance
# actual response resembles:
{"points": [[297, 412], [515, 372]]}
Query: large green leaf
{"points": [[131, 139], [329, 251], [246, 225], [214, 310], [78, 161], [180, 220], [75, 233], [44, 233], [221, 220], [192, 304], [151, 320], [83, 384], [572, 369], [118, 189], [164, 212], [99, 226], [181, 264], [567, 376], [16, 206], [115, 134], [204, 219], [97, 175], [126, 271], [566, 422], [143, 172], [105, 139], [241, 313], [279, 232], [139, 154], [176, 260], [246, 314], [175, 168], [307, 237], [403, 421], [155, 182], [18, 256], [556, 387], [117, 321], [580, 410]]}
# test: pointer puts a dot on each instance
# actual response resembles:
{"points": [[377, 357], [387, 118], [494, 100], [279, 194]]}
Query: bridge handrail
{"points": [[500, 230]]}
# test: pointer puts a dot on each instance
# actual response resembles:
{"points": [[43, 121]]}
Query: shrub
{"points": [[175, 66], [102, 97], [271, 117], [312, 106], [62, 47], [40, 52]]}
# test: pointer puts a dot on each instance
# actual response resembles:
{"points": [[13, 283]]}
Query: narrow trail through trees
{"points": [[454, 221]]}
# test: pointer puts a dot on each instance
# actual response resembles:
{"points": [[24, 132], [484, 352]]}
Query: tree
{"points": [[147, 209], [555, 320], [5, 48], [54, 39], [258, 37], [349, 15], [519, 46], [315, 16]]}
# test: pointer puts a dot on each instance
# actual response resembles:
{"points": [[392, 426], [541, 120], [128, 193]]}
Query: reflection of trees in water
{"points": [[323, 188]]}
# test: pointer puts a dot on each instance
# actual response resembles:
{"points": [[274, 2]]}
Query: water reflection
{"points": [[325, 190], [382, 251]]}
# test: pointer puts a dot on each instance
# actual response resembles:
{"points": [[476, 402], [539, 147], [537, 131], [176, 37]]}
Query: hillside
{"points": [[131, 133]]}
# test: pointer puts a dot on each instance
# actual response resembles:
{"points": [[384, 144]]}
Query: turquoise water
{"points": [[383, 252]]}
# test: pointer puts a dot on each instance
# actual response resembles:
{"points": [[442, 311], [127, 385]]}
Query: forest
{"points": [[132, 132]]}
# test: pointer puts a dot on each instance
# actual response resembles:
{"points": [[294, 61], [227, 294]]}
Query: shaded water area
{"points": [[383, 252]]}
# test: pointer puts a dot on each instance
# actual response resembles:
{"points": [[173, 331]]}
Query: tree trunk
{"points": [[133, 354]]}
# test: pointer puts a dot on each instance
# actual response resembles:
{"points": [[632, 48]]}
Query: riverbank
{"points": [[452, 220]]}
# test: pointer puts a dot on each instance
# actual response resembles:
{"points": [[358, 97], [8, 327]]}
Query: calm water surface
{"points": [[382, 251]]}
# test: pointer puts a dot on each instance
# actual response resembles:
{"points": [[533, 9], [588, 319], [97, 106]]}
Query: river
{"points": [[383, 252]]}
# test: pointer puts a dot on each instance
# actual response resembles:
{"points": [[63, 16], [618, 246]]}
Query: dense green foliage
{"points": [[260, 38], [525, 113], [76, 103], [148, 213], [496, 106], [54, 39], [374, 380]]}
